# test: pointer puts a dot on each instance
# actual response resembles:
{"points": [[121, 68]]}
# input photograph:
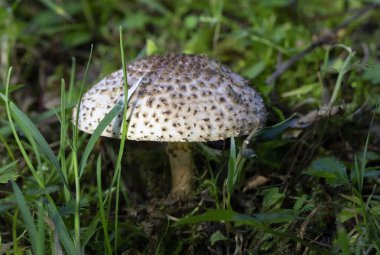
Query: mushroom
{"points": [[180, 99]]}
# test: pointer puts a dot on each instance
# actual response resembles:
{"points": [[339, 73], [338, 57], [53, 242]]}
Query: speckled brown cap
{"points": [[180, 98]]}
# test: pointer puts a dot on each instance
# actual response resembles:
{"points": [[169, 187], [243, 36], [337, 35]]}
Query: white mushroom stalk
{"points": [[176, 98]]}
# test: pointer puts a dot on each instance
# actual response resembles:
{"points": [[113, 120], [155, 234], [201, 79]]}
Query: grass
{"points": [[65, 191]]}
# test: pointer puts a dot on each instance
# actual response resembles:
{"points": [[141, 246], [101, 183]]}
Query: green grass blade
{"points": [[365, 151], [72, 80], [75, 131], [63, 136], [28, 127], [41, 229], [211, 215], [90, 230], [56, 8], [7, 147], [27, 216], [232, 165], [101, 207], [230, 181], [123, 136], [16, 249], [97, 133], [61, 230]]}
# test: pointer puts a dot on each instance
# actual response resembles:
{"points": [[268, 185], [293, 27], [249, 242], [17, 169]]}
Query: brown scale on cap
{"points": [[176, 89]]}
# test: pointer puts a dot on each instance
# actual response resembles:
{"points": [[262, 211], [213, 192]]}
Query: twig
{"points": [[321, 41]]}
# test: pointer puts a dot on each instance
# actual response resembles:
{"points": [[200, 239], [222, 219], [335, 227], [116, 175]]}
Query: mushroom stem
{"points": [[182, 165]]}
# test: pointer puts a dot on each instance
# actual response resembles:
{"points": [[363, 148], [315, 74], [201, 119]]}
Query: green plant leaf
{"points": [[151, 47], [272, 198], [254, 70], [270, 133], [8, 172], [372, 74], [330, 169], [217, 236], [346, 214]]}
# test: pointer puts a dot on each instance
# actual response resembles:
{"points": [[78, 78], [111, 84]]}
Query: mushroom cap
{"points": [[180, 98]]}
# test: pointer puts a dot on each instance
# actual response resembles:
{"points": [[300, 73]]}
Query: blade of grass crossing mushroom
{"points": [[97, 133], [104, 123], [123, 133], [133, 88], [130, 92]]}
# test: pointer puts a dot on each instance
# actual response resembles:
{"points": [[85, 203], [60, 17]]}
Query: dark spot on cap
{"points": [[149, 102]]}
